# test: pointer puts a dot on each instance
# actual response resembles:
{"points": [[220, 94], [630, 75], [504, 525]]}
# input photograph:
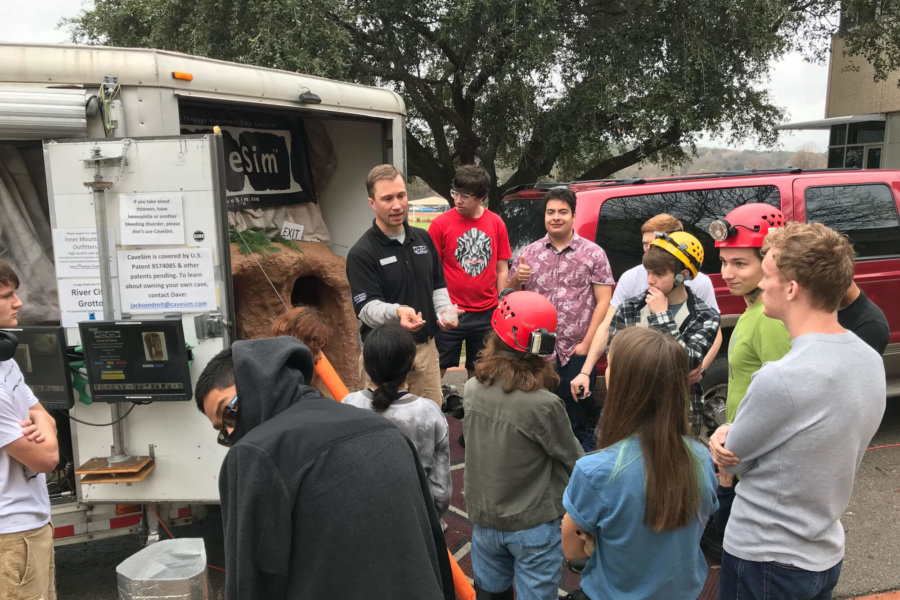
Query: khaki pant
{"points": [[27, 568], [424, 378]]}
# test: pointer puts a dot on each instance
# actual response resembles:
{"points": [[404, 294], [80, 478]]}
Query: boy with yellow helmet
{"points": [[633, 282], [671, 307]]}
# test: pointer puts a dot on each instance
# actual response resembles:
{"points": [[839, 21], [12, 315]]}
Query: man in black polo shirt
{"points": [[395, 274]]}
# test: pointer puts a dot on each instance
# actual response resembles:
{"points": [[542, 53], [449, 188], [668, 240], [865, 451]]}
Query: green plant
{"points": [[257, 241]]}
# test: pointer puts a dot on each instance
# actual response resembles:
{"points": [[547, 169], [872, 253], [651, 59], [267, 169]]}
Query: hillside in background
{"points": [[712, 160]]}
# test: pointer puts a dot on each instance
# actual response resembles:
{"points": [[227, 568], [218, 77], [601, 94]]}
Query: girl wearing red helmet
{"points": [[520, 451]]}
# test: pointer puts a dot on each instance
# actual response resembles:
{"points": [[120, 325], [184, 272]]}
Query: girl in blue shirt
{"points": [[637, 507]]}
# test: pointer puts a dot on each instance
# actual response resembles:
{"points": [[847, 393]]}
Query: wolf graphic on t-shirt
{"points": [[473, 251]]}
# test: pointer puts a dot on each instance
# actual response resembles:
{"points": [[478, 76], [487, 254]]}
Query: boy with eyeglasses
{"points": [[473, 246], [319, 499]]}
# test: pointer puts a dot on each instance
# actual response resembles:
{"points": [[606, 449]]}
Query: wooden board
{"points": [[137, 477], [102, 465]]}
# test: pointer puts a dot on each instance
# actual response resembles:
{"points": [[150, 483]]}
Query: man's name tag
{"points": [[292, 231], [389, 260]]}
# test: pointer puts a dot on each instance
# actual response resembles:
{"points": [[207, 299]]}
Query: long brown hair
{"points": [[647, 396], [304, 323], [499, 361]]}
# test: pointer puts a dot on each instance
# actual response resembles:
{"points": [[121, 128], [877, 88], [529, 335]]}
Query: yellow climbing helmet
{"points": [[683, 246]]}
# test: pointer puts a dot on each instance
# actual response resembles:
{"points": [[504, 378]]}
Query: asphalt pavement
{"points": [[871, 523]]}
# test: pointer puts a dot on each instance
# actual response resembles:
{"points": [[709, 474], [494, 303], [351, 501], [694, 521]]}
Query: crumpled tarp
{"points": [[25, 241]]}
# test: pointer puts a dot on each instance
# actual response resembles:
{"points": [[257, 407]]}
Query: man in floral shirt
{"points": [[574, 274]]}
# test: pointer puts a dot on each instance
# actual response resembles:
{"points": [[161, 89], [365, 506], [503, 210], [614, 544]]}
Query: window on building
{"points": [[868, 132], [835, 158], [856, 145], [853, 158], [873, 160], [619, 224], [866, 213], [838, 135]]}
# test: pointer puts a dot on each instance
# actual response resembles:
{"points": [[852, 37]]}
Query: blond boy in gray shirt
{"points": [[801, 430]]}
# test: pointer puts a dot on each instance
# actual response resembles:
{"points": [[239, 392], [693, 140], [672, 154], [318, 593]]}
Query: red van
{"points": [[861, 204]]}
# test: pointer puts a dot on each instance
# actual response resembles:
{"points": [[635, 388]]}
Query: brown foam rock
{"points": [[314, 276]]}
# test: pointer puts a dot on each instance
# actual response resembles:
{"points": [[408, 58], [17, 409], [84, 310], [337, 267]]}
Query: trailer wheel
{"points": [[715, 393]]}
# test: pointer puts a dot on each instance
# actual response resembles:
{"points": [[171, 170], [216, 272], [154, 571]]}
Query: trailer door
{"points": [[166, 257]]}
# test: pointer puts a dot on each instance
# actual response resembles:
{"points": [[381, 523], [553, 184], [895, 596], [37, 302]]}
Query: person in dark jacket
{"points": [[319, 499]]}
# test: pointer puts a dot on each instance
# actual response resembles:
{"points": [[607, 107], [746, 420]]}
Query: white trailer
{"points": [[292, 155]]}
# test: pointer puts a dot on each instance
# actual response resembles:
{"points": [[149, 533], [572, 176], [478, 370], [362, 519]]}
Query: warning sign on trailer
{"points": [[151, 219], [164, 280]]}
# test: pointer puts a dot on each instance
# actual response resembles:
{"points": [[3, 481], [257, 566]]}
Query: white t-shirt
{"points": [[24, 502], [633, 282]]}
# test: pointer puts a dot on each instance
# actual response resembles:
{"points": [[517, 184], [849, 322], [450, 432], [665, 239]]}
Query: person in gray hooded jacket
{"points": [[319, 499]]}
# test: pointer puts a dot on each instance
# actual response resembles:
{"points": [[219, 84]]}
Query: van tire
{"points": [[715, 394]]}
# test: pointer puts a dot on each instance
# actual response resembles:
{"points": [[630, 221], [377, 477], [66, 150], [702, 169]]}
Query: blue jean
{"points": [[530, 558], [747, 580]]}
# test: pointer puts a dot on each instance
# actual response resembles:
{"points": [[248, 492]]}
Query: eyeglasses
{"points": [[461, 196], [229, 419]]}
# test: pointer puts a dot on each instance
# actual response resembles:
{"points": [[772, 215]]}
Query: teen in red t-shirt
{"points": [[473, 246]]}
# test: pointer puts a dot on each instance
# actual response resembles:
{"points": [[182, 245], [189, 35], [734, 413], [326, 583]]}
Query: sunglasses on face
{"points": [[229, 419]]}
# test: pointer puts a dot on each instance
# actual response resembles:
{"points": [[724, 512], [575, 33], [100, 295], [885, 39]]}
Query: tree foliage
{"points": [[576, 88], [871, 29]]}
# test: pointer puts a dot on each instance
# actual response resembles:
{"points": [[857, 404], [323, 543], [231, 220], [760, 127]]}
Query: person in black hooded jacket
{"points": [[319, 499]]}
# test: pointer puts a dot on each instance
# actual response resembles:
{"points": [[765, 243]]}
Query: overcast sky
{"points": [[795, 85]]}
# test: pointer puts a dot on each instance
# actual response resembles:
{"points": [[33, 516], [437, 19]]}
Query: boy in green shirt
{"points": [[756, 338]]}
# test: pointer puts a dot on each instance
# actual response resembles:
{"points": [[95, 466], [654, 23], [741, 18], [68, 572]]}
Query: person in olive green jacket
{"points": [[520, 451]]}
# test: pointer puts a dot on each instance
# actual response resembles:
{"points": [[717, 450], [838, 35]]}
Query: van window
{"points": [[524, 222], [866, 213], [619, 224]]}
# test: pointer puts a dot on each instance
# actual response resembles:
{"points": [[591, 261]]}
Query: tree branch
{"points": [[644, 150], [429, 35], [537, 160], [436, 126], [423, 165]]}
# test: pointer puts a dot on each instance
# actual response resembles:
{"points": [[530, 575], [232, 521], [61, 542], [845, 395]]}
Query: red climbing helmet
{"points": [[519, 315], [746, 226]]}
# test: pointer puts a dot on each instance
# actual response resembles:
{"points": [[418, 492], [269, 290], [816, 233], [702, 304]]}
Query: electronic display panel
{"points": [[41, 356], [136, 361]]}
